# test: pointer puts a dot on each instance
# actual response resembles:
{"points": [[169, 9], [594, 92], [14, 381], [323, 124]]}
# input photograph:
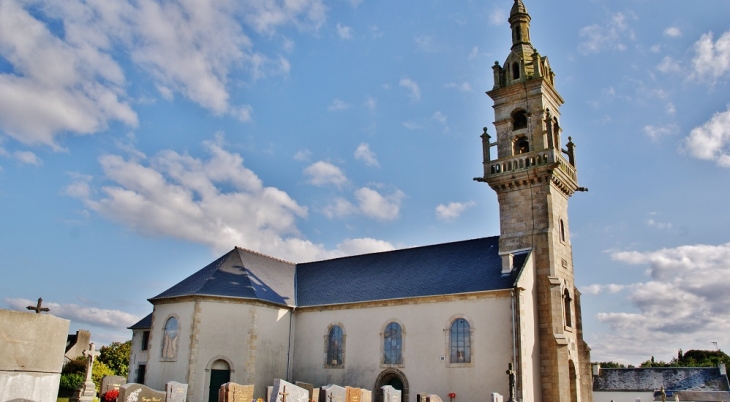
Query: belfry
{"points": [[534, 178]]}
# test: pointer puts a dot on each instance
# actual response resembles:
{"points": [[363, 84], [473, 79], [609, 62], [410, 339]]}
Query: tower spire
{"points": [[519, 21]]}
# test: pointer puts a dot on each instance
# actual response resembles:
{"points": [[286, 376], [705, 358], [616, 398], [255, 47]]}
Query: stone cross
{"points": [[511, 374], [283, 394], [90, 354], [38, 308]]}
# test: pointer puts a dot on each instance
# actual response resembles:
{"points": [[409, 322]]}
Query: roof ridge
{"points": [[396, 250], [263, 255]]}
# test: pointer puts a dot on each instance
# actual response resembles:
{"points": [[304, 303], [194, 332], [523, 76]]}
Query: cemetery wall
{"points": [[623, 396], [160, 371], [251, 337], [31, 355], [425, 323]]}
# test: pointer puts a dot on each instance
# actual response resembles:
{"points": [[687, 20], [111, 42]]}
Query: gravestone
{"points": [[367, 395], [390, 394], [176, 392], [353, 394], [308, 387], [110, 382], [287, 392], [433, 398], [232, 392], [269, 391], [139, 393], [333, 393], [497, 397], [315, 395]]}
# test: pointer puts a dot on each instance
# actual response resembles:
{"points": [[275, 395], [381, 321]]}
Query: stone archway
{"points": [[394, 378], [573, 381]]}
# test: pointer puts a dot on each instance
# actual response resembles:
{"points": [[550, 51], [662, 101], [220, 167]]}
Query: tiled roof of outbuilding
{"points": [[145, 323], [671, 378], [242, 274], [441, 269]]}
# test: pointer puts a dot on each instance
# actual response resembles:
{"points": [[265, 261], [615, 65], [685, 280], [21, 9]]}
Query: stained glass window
{"points": [[334, 346], [460, 341], [393, 344]]}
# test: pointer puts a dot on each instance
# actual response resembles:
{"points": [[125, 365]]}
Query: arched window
{"points": [[460, 337], [393, 344], [521, 145], [519, 120], [335, 346], [562, 230], [568, 312], [170, 338], [518, 34], [515, 71]]}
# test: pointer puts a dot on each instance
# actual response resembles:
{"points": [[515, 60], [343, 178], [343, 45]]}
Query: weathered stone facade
{"points": [[533, 178]]}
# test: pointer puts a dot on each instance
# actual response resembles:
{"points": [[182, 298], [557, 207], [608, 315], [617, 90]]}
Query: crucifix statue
{"points": [[91, 355], [38, 307], [511, 374]]}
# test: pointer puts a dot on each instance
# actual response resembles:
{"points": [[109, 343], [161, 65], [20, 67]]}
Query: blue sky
{"points": [[140, 140]]}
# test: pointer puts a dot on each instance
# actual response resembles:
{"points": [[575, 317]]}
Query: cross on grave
{"points": [[38, 308], [90, 354], [283, 394], [330, 396]]}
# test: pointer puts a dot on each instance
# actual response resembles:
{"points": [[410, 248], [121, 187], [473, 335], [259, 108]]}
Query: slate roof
{"points": [[240, 273], [145, 323], [651, 379], [450, 268]]}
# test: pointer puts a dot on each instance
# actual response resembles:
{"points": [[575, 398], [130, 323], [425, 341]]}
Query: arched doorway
{"points": [[394, 378], [573, 382], [220, 373]]}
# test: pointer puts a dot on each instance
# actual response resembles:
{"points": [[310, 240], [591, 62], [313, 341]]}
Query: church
{"points": [[445, 319]]}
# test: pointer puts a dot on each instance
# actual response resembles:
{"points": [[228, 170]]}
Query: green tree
{"points": [[73, 374], [116, 357], [610, 364]]}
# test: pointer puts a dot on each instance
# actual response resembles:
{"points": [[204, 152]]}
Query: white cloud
{"points": [[371, 103], [673, 32], [354, 3], [425, 43], [684, 302], [463, 87], [303, 155], [364, 154], [79, 188], [374, 205], [657, 132], [339, 208], [712, 60], [74, 82], [671, 109], [659, 225], [338, 105], [474, 53], [28, 158], [323, 173], [411, 125], [344, 32], [498, 16], [114, 319], [453, 210], [439, 117], [669, 65], [609, 36], [711, 141], [410, 85], [364, 246]]}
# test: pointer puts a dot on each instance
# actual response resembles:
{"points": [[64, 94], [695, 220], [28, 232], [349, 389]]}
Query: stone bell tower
{"points": [[534, 177]]}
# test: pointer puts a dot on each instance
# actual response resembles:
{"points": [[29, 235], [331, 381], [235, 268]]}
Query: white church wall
{"points": [[159, 370], [426, 324], [251, 337], [137, 355], [529, 368]]}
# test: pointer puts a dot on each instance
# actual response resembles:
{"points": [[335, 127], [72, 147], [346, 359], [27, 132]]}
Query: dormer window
{"points": [[515, 71]]}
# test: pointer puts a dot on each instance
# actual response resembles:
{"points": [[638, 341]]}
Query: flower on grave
{"points": [[260, 400], [111, 396]]}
